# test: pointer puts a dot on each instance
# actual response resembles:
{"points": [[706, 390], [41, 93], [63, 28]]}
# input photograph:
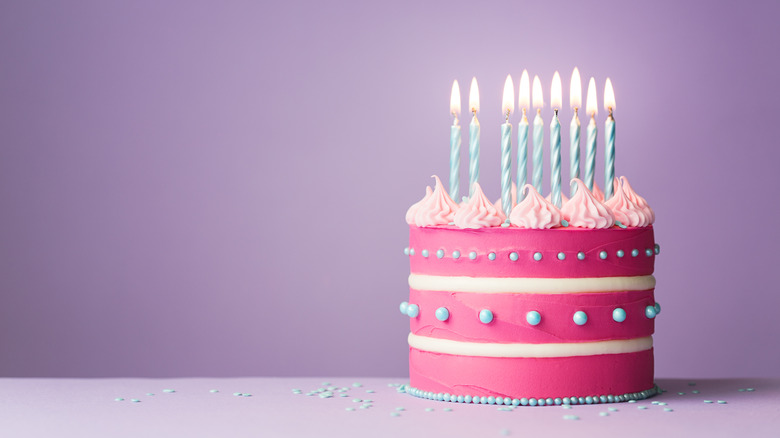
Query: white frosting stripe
{"points": [[530, 285], [459, 348]]}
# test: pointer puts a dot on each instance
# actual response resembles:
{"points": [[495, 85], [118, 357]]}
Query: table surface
{"points": [[282, 407]]}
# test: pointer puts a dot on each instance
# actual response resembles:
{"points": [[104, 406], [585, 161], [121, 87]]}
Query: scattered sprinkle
{"points": [[250, 395], [566, 406], [119, 399], [707, 401], [604, 414], [238, 394], [632, 401], [428, 409], [395, 414], [505, 432], [721, 402], [350, 409], [356, 400], [135, 400], [149, 393], [668, 410], [680, 393], [368, 401], [447, 409], [641, 407], [612, 409], [213, 391], [325, 383], [357, 385], [343, 395], [751, 389], [169, 390], [571, 417], [365, 406], [400, 409], [695, 391], [741, 390], [662, 403]]}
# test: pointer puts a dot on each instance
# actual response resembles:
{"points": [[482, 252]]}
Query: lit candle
{"points": [[538, 101], [609, 129], [555, 140], [591, 106], [507, 106], [455, 141], [575, 101], [473, 136], [522, 135]]}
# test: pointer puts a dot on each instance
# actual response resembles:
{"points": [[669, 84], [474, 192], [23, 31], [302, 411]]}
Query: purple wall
{"points": [[218, 188]]}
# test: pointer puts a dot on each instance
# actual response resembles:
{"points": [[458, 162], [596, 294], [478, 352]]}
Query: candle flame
{"points": [[455, 99], [591, 102], [537, 97], [525, 91], [575, 90], [474, 96], [609, 96], [508, 103], [556, 92]]}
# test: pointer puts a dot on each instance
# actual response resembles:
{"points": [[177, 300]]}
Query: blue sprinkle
{"points": [[403, 307], [473, 255], [513, 256], [412, 310], [567, 406], [400, 409], [425, 253], [392, 414], [492, 256], [668, 410], [537, 256], [350, 409], [618, 223], [612, 409], [169, 390], [571, 417], [634, 252], [440, 253], [119, 399], [370, 391], [619, 315], [662, 404], [561, 256], [411, 251], [581, 255], [632, 401], [324, 396], [505, 224], [721, 402], [641, 407], [442, 314], [504, 432], [750, 389], [237, 394], [604, 414], [356, 400], [428, 409], [447, 409], [707, 401], [657, 249], [620, 253], [406, 251], [485, 316], [135, 400], [533, 317], [580, 317], [603, 255], [343, 395], [650, 312], [456, 254], [649, 252], [680, 393], [564, 223], [149, 393]]}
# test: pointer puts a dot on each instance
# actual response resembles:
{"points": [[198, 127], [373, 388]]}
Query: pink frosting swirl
{"points": [[625, 210], [597, 193], [638, 200], [584, 211], [535, 212], [413, 209], [438, 209], [478, 212]]}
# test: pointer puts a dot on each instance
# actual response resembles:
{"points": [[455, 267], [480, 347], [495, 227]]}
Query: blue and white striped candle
{"points": [[522, 135], [575, 101], [507, 106], [455, 142], [538, 101], [555, 141], [473, 136], [609, 129], [591, 107]]}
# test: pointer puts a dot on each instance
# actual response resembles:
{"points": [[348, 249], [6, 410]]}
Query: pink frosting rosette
{"points": [[535, 212], [584, 211], [625, 210], [638, 200], [438, 209], [478, 212], [597, 193], [413, 209]]}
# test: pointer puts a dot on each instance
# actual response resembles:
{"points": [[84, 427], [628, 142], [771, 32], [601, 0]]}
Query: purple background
{"points": [[218, 188]]}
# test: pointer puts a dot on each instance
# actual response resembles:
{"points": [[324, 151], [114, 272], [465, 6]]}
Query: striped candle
{"points": [[555, 141], [591, 106], [524, 101], [507, 105], [609, 128], [575, 101], [473, 136], [538, 102], [455, 142]]}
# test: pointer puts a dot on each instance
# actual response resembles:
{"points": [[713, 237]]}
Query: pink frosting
{"points": [[438, 209], [597, 193], [584, 211], [625, 210], [638, 200], [413, 209], [535, 212], [478, 212]]}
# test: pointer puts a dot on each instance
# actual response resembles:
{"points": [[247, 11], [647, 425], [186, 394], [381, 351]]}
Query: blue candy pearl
{"points": [[581, 255], [533, 317], [456, 254], [537, 256], [561, 256], [650, 312], [440, 253], [657, 249], [425, 253], [485, 316], [513, 256], [580, 317], [657, 308], [620, 253], [649, 252], [473, 255], [603, 255], [634, 252], [619, 315], [492, 256], [404, 305], [411, 251], [406, 251], [412, 310], [442, 314]]}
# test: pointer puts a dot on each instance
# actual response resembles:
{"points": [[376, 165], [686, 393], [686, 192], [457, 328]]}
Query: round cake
{"points": [[552, 306]]}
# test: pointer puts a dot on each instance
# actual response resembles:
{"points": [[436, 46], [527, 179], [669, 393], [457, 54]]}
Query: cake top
{"points": [[585, 209]]}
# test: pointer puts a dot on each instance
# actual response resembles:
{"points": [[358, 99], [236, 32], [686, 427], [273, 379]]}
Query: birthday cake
{"points": [[535, 304]]}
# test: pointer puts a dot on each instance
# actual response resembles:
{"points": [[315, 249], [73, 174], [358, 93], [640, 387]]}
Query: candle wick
{"points": [[539, 111], [576, 111], [610, 112], [507, 115], [523, 111], [556, 112]]}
